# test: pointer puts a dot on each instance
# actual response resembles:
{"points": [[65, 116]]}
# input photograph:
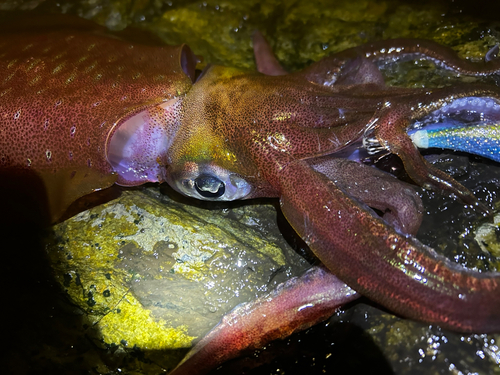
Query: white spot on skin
{"points": [[48, 155], [70, 79], [72, 131], [420, 138], [17, 114], [305, 306]]}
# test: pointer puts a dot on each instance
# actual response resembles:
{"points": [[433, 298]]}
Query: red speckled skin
{"points": [[62, 92], [293, 306], [271, 130], [315, 296], [61, 99]]}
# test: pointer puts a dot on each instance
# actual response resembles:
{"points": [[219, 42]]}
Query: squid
{"points": [[83, 108]]}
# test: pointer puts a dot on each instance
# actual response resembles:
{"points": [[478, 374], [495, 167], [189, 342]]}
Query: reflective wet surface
{"points": [[46, 332]]}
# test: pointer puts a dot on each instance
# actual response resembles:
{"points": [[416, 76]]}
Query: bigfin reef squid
{"points": [[83, 108]]}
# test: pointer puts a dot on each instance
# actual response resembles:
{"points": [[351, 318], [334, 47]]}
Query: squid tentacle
{"points": [[443, 56], [302, 302], [391, 126], [266, 61], [294, 305], [326, 71], [388, 267], [398, 201]]}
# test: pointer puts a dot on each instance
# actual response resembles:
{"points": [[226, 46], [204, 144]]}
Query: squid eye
{"points": [[208, 182], [209, 187]]}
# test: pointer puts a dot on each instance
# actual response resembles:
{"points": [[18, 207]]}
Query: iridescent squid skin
{"points": [[480, 139], [82, 109]]}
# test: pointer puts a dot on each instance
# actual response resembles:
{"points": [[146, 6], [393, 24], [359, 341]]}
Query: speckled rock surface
{"points": [[157, 283]]}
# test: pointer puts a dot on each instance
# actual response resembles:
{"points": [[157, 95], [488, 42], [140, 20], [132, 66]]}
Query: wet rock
{"points": [[364, 336], [141, 286], [151, 273], [300, 31], [364, 339]]}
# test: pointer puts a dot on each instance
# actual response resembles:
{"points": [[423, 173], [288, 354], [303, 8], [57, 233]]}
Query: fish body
{"points": [[477, 138]]}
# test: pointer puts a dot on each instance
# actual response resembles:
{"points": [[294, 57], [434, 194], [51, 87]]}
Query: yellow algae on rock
{"points": [[131, 325], [85, 258], [486, 236], [153, 273]]}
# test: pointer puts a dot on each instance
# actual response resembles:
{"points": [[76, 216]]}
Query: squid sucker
{"points": [[83, 108]]}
